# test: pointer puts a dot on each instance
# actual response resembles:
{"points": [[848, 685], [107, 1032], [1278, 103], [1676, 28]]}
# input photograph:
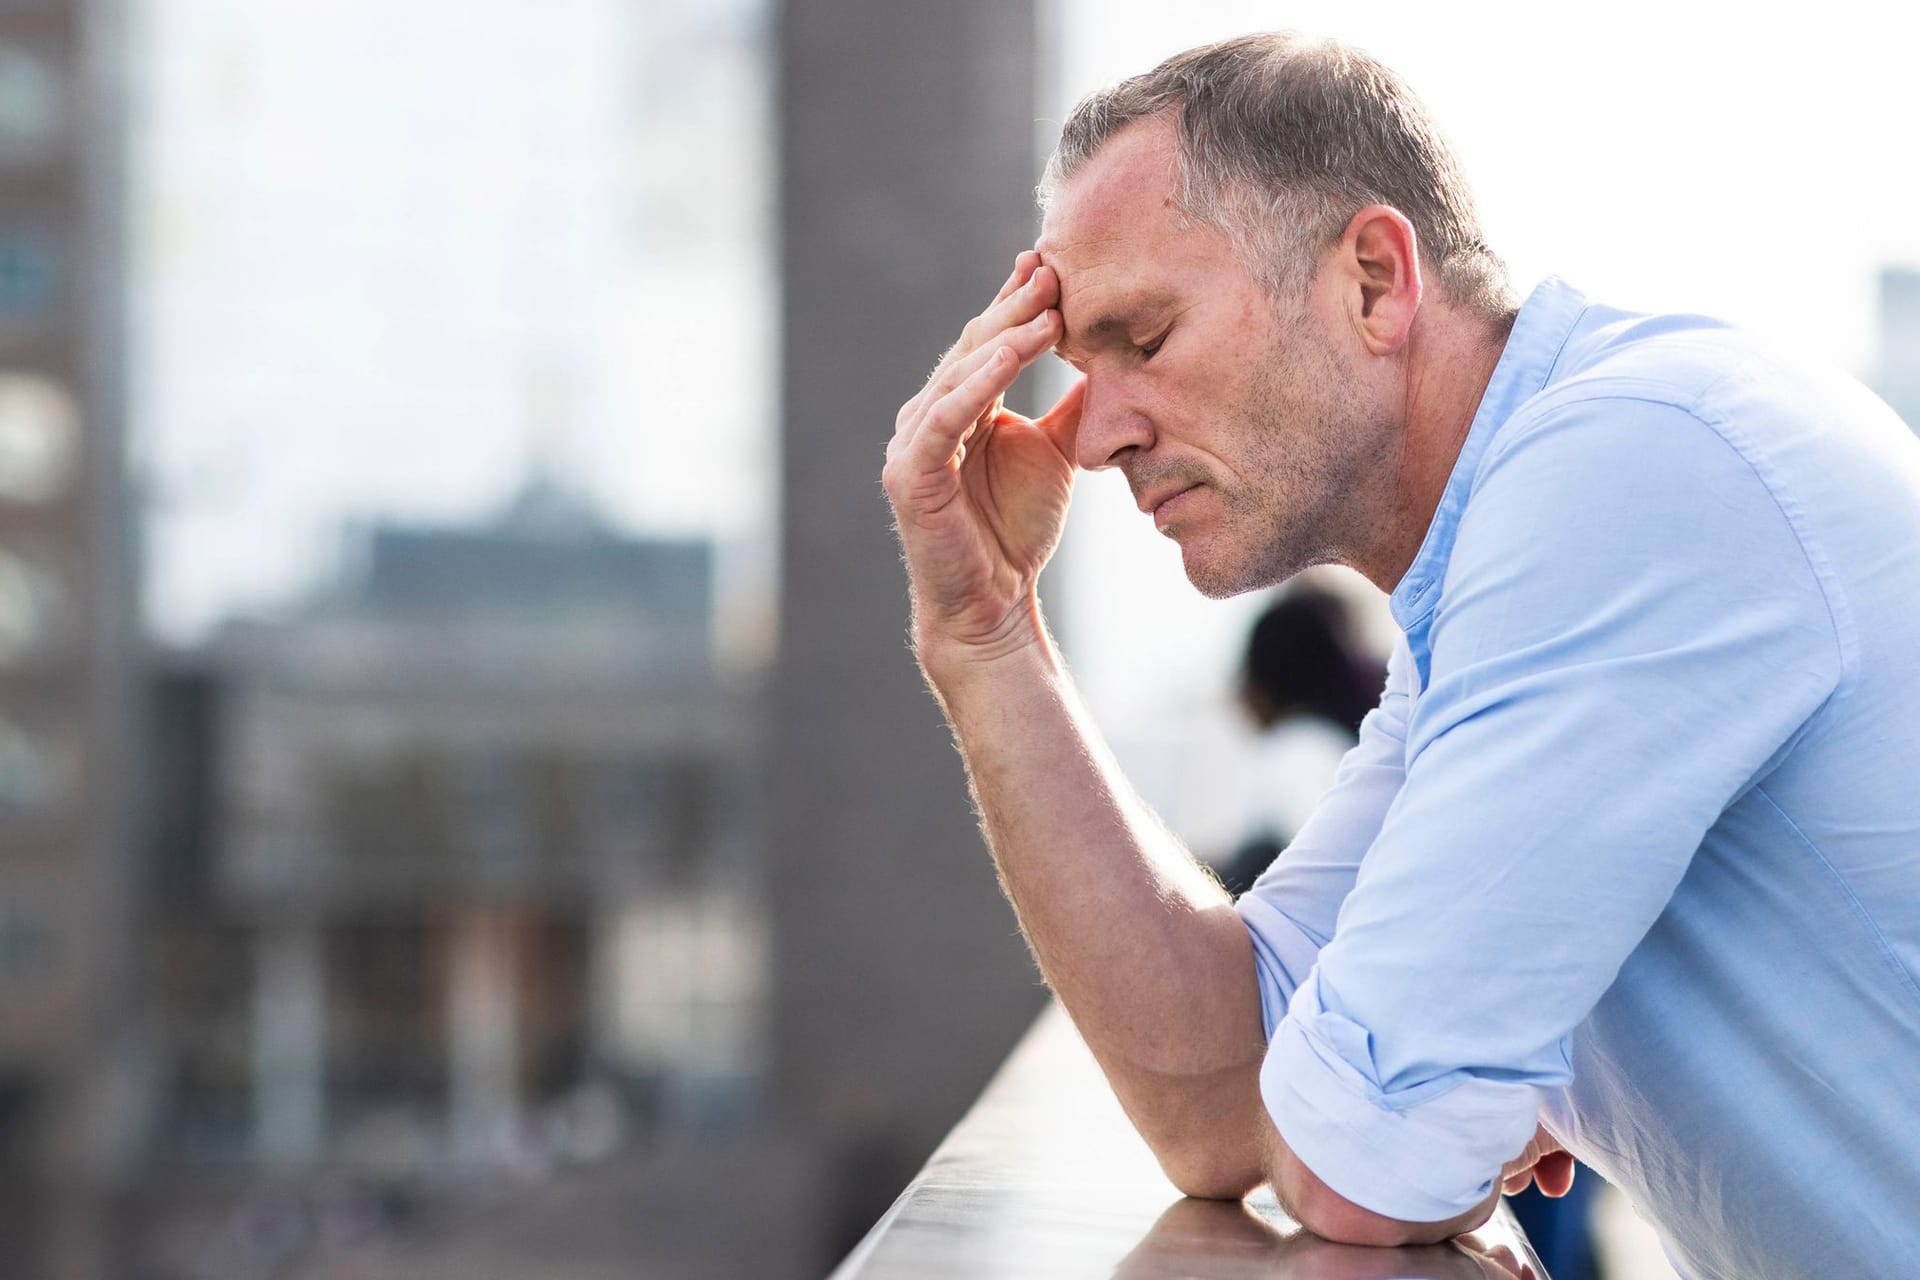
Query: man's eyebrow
{"points": [[1114, 321]]}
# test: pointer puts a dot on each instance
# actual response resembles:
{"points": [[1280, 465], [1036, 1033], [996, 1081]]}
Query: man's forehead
{"points": [[1116, 238], [1130, 179]]}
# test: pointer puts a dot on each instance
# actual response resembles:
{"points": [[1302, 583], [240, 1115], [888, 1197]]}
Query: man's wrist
{"points": [[951, 661]]}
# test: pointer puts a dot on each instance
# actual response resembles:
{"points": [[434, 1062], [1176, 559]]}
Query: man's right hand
{"points": [[980, 493], [1545, 1163]]}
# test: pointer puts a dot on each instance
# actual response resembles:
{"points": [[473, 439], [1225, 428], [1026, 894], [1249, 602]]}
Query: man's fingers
{"points": [[1554, 1173], [1551, 1170], [1028, 341], [1036, 294], [1020, 321], [938, 437], [1028, 294], [1544, 1162], [1023, 264]]}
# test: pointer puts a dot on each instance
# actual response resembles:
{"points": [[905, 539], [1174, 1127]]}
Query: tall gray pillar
{"points": [[900, 980]]}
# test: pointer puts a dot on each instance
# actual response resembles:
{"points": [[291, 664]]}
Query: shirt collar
{"points": [[1526, 363]]}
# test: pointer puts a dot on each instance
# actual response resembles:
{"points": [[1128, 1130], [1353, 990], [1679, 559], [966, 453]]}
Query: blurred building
{"points": [[1899, 374], [65, 628], [474, 867], [457, 861]]}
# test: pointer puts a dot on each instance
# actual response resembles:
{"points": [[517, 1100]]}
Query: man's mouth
{"points": [[1165, 506]]}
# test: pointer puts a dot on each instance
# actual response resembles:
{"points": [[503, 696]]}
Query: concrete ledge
{"points": [[1046, 1178]]}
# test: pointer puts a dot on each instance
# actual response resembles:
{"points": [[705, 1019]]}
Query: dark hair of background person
{"points": [[1302, 659]]}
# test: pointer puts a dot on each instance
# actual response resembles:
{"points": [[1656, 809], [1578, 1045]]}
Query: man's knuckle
{"points": [[940, 418]]}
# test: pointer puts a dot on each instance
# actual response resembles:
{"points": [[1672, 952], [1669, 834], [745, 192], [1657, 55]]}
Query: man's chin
{"points": [[1218, 574], [1218, 581]]}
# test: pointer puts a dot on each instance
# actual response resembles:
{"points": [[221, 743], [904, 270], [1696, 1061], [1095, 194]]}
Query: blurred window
{"points": [[388, 816], [39, 437], [36, 774], [203, 978], [686, 817], [555, 786], [26, 947], [31, 610], [385, 1033], [32, 275], [658, 810], [489, 796], [32, 110]]}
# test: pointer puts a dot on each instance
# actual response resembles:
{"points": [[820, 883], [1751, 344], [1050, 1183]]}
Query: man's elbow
{"points": [[1204, 1135], [1332, 1216], [1201, 1172]]}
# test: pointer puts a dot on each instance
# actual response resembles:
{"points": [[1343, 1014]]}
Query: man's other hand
{"points": [[1544, 1162], [980, 493]]}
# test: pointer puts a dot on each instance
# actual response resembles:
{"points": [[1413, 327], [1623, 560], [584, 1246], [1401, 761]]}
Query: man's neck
{"points": [[1453, 355]]}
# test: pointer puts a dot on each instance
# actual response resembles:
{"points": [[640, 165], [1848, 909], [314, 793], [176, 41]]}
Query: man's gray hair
{"points": [[1281, 140]]}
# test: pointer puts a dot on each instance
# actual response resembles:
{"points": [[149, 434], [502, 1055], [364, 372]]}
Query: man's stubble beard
{"points": [[1308, 497]]}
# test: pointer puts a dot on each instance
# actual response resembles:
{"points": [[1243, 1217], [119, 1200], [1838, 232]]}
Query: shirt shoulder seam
{"points": [[1548, 405]]}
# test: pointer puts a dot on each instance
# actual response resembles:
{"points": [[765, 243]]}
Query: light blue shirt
{"points": [[1631, 846]]}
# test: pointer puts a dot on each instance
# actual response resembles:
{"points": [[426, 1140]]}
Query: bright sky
{"points": [[1658, 155]]}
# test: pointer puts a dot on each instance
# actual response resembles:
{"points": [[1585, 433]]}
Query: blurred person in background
{"points": [[1305, 683], [1627, 861]]}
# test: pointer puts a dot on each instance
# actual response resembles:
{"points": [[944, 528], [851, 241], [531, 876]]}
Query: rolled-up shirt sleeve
{"points": [[1631, 628]]}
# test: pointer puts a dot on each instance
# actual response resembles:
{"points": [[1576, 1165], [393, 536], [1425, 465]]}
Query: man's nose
{"points": [[1110, 424]]}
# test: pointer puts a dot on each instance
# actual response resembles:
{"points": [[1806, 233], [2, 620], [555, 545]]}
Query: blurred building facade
{"points": [[476, 866], [1898, 378], [66, 628], [455, 914]]}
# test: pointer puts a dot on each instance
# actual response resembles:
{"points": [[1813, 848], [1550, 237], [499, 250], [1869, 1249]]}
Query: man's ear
{"points": [[1380, 256]]}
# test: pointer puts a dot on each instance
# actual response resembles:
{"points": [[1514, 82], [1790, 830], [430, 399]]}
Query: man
{"points": [[1627, 860]]}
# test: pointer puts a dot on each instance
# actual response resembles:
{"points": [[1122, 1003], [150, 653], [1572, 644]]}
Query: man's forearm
{"points": [[1139, 942]]}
